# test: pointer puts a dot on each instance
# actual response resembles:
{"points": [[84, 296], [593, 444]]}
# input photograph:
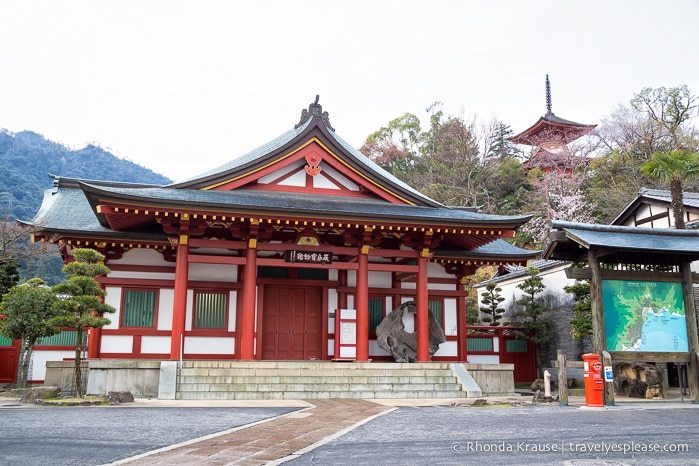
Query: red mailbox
{"points": [[594, 383]]}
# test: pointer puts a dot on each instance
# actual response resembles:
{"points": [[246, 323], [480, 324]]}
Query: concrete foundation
{"points": [[146, 378]]}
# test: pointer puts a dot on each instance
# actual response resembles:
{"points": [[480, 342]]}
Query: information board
{"points": [[346, 334]]}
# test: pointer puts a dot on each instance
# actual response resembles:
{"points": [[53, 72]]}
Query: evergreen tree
{"points": [[472, 311], [9, 274], [29, 313], [533, 311], [581, 325], [492, 299], [81, 301]]}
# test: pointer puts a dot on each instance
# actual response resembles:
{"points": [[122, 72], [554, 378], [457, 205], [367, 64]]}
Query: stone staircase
{"points": [[291, 380]]}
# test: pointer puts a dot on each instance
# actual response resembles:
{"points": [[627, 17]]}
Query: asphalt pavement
{"points": [[534, 435], [351, 432]]}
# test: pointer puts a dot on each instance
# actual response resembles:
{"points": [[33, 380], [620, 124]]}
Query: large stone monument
{"points": [[392, 337]]}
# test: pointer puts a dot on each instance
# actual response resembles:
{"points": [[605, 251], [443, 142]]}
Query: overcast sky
{"points": [[184, 86]]}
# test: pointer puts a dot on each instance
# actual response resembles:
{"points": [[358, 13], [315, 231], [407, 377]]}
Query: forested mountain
{"points": [[28, 158]]}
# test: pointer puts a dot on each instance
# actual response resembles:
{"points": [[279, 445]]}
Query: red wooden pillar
{"points": [[179, 308], [362, 304], [461, 320], [93, 348], [247, 324], [422, 326]]}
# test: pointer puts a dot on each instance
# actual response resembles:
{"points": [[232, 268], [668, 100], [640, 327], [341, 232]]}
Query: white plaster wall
{"points": [[117, 344], [376, 279], [554, 280], [297, 179], [388, 305], [232, 307], [409, 321], [213, 272], [321, 181], [40, 357], [374, 349], [344, 181], [141, 256], [188, 314], [332, 308], [166, 301], [209, 345], [448, 348], [143, 275], [155, 345], [450, 325], [113, 298], [272, 177], [483, 359], [435, 270]]}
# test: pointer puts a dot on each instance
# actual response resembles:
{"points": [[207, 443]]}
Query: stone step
{"points": [[185, 378], [314, 365], [269, 380], [311, 387], [343, 372], [303, 395]]}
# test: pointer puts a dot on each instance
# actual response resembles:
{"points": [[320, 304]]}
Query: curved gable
{"points": [[309, 159]]}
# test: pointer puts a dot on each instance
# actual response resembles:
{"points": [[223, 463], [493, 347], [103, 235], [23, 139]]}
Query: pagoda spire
{"points": [[548, 96], [551, 132]]}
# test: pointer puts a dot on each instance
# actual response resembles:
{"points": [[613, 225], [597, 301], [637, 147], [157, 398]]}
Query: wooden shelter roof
{"points": [[619, 244]]}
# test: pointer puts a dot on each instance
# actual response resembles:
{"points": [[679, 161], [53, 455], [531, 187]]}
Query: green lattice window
{"points": [[516, 346], [375, 313], [436, 308], [210, 310], [63, 338], [479, 344], [138, 309], [4, 341]]}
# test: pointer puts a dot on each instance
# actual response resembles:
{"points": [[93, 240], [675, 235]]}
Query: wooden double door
{"points": [[292, 323]]}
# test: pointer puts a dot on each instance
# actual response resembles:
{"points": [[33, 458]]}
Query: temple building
{"points": [[255, 259], [550, 137]]}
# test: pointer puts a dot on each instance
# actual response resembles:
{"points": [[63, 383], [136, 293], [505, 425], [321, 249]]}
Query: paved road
{"points": [[99, 435], [538, 435]]}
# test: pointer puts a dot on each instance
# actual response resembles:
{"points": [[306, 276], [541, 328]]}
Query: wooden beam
{"points": [[648, 356], [599, 339], [692, 338], [578, 273]]}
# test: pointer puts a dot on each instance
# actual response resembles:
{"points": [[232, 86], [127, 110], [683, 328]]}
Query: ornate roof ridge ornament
{"points": [[315, 110]]}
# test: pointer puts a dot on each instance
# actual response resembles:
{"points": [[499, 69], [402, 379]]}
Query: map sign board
{"points": [[644, 316]]}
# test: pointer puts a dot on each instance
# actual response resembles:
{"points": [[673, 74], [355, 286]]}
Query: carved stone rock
{"points": [[638, 380], [120, 397], [34, 393], [392, 337]]}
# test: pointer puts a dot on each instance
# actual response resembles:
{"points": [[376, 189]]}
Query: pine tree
{"points": [[532, 314], [581, 325], [80, 299], [492, 299]]}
